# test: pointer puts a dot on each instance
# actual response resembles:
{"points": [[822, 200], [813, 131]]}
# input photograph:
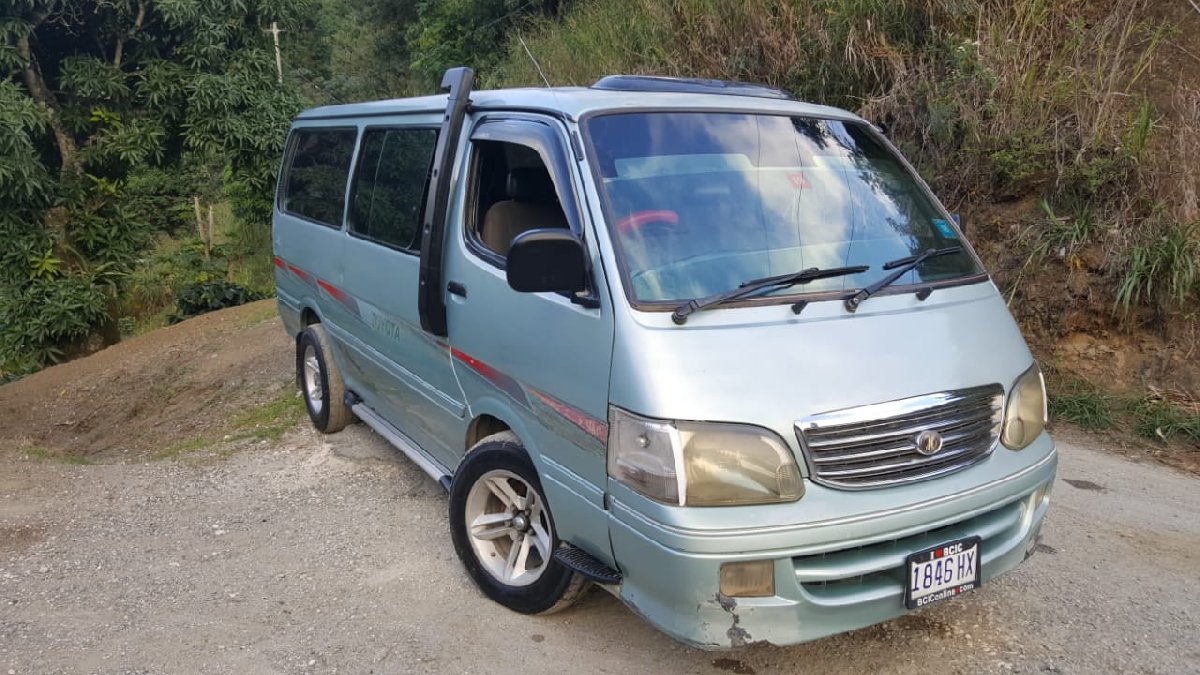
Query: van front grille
{"points": [[877, 445]]}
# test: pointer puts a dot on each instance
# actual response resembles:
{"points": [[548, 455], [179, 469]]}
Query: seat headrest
{"points": [[531, 185]]}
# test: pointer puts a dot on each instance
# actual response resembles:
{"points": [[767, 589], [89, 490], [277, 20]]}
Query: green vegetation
{"points": [[139, 139], [139, 142], [268, 421], [1161, 419], [52, 455], [119, 122], [1164, 270], [1156, 416], [995, 102], [1082, 404]]}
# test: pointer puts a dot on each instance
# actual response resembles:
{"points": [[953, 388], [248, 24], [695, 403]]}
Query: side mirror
{"points": [[548, 260]]}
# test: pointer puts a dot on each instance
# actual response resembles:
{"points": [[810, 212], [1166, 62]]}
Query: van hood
{"points": [[765, 366]]}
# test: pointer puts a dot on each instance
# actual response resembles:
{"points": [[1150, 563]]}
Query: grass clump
{"points": [[1082, 404], [1164, 271], [46, 454], [270, 420], [266, 422], [1161, 416], [1158, 415]]}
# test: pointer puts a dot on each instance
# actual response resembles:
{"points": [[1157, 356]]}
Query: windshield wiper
{"points": [[680, 315], [902, 266]]}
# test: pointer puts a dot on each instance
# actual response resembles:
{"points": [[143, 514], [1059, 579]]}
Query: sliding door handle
{"points": [[456, 288]]}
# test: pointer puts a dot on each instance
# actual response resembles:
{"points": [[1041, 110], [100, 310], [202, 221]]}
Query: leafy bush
{"points": [[211, 296], [39, 320], [159, 106]]}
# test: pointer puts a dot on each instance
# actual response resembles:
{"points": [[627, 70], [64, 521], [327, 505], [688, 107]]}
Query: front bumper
{"points": [[831, 576]]}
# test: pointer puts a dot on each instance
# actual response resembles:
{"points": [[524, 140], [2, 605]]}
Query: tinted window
{"points": [[390, 184], [514, 193], [316, 178]]}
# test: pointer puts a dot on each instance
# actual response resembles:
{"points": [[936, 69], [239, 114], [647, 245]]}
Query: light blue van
{"points": [[713, 349]]}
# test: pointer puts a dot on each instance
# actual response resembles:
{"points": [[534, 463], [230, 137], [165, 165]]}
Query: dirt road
{"points": [[331, 555]]}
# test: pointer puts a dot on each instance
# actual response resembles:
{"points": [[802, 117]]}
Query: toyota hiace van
{"points": [[716, 350]]}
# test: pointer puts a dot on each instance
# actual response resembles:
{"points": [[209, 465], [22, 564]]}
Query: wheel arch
{"points": [[491, 415], [481, 427], [308, 315]]}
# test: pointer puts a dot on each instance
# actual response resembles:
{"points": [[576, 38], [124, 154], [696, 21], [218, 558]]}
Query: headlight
{"points": [[701, 464], [1025, 411]]}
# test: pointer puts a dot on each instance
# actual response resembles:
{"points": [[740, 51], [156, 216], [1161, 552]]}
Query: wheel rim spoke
{"points": [[542, 540], [522, 564], [505, 493], [511, 564], [492, 525]]}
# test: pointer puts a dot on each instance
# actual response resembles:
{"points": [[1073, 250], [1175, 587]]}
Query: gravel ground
{"points": [[331, 555]]}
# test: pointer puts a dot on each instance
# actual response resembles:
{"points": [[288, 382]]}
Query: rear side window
{"points": [[316, 178], [390, 184]]}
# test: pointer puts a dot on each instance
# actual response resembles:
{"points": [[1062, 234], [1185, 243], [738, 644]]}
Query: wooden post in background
{"points": [[274, 31]]}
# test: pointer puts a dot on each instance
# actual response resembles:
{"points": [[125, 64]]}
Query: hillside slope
{"points": [[173, 388], [1064, 131]]}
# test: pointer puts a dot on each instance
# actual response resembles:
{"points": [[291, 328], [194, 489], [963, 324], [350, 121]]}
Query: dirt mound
{"points": [[154, 391]]}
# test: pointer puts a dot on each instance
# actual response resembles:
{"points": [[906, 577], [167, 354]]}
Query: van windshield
{"points": [[699, 203]]}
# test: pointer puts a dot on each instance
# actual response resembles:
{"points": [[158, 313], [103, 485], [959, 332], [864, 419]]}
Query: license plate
{"points": [[942, 572]]}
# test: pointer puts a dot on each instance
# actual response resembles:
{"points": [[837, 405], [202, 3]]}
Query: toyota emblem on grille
{"points": [[929, 442]]}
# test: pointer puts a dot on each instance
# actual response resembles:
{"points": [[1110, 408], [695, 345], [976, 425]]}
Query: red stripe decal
{"points": [[475, 364], [588, 424], [297, 271], [506, 384], [335, 292], [279, 263]]}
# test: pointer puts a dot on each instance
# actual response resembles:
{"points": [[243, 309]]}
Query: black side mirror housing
{"points": [[547, 260]]}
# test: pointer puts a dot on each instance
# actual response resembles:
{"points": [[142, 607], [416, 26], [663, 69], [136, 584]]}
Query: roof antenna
{"points": [[535, 63]]}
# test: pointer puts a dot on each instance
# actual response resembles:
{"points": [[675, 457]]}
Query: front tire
{"points": [[321, 381], [503, 530]]}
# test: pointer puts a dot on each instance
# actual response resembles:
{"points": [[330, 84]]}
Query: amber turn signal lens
{"points": [[753, 579]]}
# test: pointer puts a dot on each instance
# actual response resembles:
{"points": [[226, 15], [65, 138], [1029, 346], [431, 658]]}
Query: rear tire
{"points": [[321, 381], [503, 530]]}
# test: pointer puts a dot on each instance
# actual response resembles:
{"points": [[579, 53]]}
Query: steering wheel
{"points": [[634, 221]]}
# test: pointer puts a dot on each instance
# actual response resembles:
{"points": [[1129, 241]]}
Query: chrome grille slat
{"points": [[838, 434], [875, 445], [898, 449], [904, 439], [909, 463]]}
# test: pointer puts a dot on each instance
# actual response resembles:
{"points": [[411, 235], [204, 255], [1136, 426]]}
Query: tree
{"points": [[416, 41], [95, 94]]}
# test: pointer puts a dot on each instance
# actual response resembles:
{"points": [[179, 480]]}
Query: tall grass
{"points": [[1164, 270], [994, 99]]}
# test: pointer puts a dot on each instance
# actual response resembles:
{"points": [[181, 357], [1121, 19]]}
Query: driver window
{"points": [[514, 194]]}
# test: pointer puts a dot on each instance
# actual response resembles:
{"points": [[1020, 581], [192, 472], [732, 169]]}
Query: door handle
{"points": [[456, 288]]}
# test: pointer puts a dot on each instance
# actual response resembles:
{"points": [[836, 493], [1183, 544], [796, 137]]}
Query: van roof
{"points": [[577, 101]]}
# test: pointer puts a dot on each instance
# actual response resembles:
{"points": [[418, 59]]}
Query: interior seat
{"points": [[532, 204]]}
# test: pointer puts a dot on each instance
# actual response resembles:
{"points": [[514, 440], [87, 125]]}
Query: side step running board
{"points": [[586, 564], [402, 443]]}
